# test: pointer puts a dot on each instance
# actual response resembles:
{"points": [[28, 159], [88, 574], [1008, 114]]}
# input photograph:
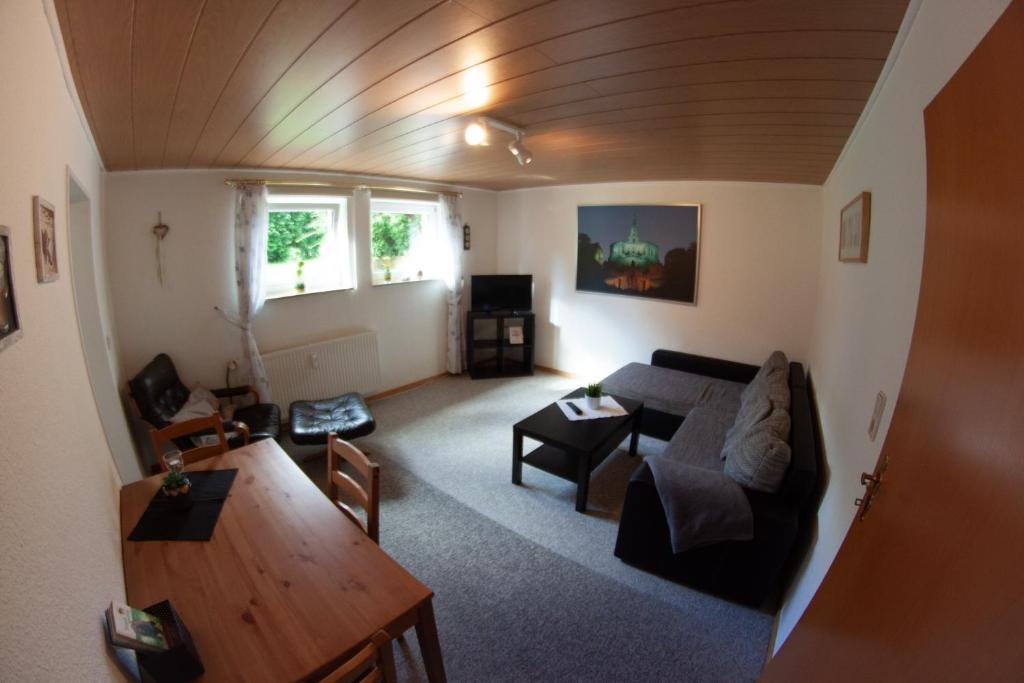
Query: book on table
{"points": [[135, 629]]}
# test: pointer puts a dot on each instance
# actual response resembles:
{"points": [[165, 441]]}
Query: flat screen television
{"points": [[502, 293]]}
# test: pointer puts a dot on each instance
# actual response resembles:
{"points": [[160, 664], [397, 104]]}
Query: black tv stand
{"points": [[489, 353]]}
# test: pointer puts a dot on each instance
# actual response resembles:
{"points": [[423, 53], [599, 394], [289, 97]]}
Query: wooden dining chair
{"points": [[375, 662], [191, 427], [367, 496]]}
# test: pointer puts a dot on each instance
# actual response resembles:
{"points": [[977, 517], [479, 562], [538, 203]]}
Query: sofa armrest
{"points": [[703, 365]]}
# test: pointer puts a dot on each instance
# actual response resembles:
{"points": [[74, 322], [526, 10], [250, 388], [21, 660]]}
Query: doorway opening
{"points": [[97, 346]]}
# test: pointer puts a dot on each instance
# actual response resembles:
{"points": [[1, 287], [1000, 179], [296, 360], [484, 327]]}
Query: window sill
{"points": [[295, 293], [405, 282]]}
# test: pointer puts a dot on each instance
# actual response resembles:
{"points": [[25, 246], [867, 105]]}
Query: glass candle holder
{"points": [[174, 461]]}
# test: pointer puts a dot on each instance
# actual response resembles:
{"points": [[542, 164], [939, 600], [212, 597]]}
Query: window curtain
{"points": [[452, 231], [250, 259]]}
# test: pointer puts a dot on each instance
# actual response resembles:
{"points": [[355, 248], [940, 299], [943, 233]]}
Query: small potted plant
{"points": [[593, 394], [178, 490]]}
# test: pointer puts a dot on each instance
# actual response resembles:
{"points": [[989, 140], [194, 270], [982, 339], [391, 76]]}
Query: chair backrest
{"points": [[371, 664], [158, 392], [368, 495], [187, 428]]}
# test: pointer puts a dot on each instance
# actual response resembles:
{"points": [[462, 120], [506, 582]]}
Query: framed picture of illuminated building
{"points": [[645, 250]]}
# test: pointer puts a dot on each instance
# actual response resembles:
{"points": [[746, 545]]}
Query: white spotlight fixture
{"points": [[478, 131], [519, 150]]}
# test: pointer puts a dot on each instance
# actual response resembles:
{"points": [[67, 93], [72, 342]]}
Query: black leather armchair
{"points": [[159, 393]]}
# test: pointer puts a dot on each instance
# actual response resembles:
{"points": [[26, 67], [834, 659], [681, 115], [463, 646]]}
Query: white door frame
{"points": [[93, 333]]}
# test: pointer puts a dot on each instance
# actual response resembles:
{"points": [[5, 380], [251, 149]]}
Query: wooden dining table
{"points": [[287, 588]]}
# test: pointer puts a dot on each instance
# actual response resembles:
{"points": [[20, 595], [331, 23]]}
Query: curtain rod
{"points": [[235, 182]]}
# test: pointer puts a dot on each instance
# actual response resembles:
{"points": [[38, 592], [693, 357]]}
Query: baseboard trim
{"points": [[418, 383], [554, 371], [773, 636], [405, 387]]}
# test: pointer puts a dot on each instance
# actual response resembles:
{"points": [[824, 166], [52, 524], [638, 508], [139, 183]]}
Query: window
{"points": [[308, 245], [404, 241]]}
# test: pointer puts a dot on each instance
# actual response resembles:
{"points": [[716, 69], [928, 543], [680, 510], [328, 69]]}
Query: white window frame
{"points": [[337, 247], [430, 246]]}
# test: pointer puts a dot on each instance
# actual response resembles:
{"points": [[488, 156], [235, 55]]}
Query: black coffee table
{"points": [[572, 450]]}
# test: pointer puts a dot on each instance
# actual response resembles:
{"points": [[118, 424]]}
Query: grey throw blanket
{"points": [[702, 506]]}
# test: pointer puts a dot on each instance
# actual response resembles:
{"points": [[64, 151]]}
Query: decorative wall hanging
{"points": [[45, 237], [10, 326], [649, 251], [160, 231], [855, 229]]}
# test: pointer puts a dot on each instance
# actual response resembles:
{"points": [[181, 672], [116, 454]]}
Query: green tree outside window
{"points": [[390, 233], [294, 236]]}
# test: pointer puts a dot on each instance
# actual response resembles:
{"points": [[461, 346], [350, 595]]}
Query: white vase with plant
{"points": [[593, 394]]}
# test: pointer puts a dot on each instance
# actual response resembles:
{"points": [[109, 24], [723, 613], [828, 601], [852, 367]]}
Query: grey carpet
{"points": [[526, 588]]}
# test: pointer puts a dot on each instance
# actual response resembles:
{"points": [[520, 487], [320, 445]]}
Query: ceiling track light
{"points": [[519, 150], [478, 134]]}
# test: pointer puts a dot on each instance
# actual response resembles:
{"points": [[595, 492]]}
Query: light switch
{"points": [[876, 416]]}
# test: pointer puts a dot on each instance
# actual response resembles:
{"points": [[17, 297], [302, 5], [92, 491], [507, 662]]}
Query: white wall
{"points": [[179, 318], [758, 267], [59, 528], [866, 312]]}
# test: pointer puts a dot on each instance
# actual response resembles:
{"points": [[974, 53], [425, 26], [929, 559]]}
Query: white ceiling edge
{"points": [[69, 82], [354, 177], [890, 62]]}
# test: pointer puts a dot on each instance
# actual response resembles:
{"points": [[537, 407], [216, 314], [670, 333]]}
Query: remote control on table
{"points": [[574, 407]]}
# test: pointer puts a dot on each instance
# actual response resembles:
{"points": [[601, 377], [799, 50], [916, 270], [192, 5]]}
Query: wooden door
{"points": [[930, 585]]}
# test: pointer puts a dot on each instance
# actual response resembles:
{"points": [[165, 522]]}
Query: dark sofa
{"points": [[743, 571]]}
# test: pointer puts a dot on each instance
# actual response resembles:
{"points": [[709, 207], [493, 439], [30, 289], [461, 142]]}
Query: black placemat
{"points": [[160, 522]]}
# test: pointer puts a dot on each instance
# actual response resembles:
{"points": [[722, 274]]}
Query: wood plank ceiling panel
{"points": [[98, 41], [551, 85], [160, 44], [293, 27], [606, 90], [363, 27], [222, 38]]}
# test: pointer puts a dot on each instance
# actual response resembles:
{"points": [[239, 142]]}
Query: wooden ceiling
{"points": [[606, 89]]}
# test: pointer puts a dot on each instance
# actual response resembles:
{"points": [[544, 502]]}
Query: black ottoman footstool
{"points": [[346, 415]]}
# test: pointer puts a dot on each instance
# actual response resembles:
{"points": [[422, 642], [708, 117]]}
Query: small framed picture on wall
{"points": [[10, 326], [855, 229], [45, 235]]}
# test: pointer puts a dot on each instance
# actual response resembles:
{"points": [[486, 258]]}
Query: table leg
{"points": [[517, 456], [634, 439], [582, 482], [430, 647], [387, 662]]}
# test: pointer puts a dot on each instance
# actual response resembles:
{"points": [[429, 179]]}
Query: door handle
{"points": [[872, 482]]}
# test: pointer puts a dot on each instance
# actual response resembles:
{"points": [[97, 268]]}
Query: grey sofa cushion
{"points": [[701, 506], [759, 457], [673, 391], [772, 380], [700, 439], [753, 409]]}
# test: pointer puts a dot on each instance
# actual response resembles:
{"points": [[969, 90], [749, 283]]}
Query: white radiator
{"points": [[325, 369]]}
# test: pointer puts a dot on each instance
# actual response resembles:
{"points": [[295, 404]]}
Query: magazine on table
{"points": [[609, 408], [137, 630]]}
